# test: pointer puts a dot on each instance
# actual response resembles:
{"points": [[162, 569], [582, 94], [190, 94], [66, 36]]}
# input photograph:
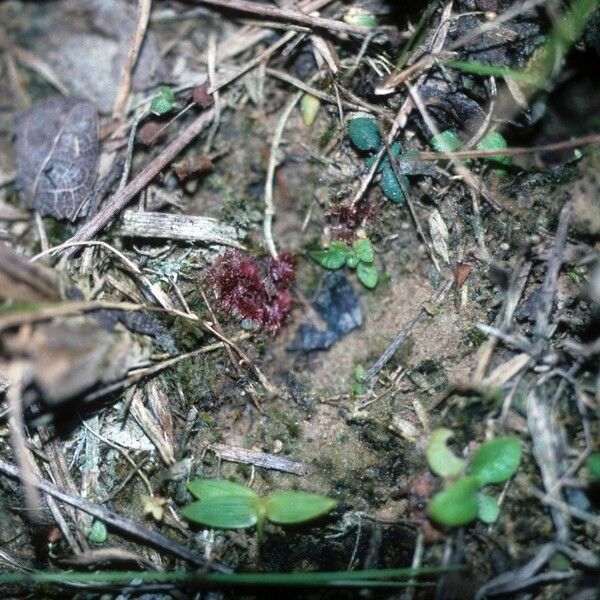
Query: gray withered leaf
{"points": [[57, 156], [69, 357]]}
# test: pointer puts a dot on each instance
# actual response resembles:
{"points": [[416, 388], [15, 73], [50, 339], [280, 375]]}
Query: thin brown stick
{"points": [[356, 104], [120, 200], [141, 24], [404, 333], [269, 204], [555, 261]]}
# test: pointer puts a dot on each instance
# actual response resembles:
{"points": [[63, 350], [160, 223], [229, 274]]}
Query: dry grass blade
{"points": [[288, 15], [141, 24]]}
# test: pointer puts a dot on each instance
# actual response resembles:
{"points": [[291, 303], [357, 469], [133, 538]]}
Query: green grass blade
{"points": [[484, 69], [367, 578]]}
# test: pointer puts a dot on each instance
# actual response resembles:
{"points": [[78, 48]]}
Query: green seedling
{"points": [[365, 136], [462, 501], [359, 256], [441, 460], [227, 505], [359, 380], [163, 101]]}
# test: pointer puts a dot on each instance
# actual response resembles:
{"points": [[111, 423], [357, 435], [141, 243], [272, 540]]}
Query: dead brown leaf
{"points": [[22, 281], [67, 358]]}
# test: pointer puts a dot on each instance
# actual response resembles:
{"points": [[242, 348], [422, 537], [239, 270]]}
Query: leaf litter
{"points": [[144, 353]]}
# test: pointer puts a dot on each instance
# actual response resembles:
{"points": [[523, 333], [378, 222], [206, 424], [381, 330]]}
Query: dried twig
{"points": [[587, 140], [15, 372], [177, 227], [259, 459], [288, 16], [141, 24], [547, 450], [549, 287], [262, 56], [358, 104]]}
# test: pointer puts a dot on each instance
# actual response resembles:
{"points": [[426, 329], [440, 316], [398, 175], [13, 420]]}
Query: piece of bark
{"points": [[260, 459], [177, 227]]}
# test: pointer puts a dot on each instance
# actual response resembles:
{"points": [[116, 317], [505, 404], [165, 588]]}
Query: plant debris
{"points": [[325, 268]]}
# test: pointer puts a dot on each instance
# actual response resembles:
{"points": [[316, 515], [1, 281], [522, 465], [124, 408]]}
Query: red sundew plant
{"points": [[346, 219], [254, 289]]}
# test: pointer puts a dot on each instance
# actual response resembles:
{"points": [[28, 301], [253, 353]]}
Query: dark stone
{"points": [[338, 305]]}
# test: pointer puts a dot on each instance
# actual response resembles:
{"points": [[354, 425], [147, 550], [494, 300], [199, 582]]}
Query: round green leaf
{"points": [[390, 185], [98, 532], [224, 512], [217, 488], [163, 101], [488, 510], [446, 141], [494, 141], [496, 460], [364, 134], [441, 460], [333, 257], [593, 464], [367, 275], [363, 250], [456, 505], [297, 507]]}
